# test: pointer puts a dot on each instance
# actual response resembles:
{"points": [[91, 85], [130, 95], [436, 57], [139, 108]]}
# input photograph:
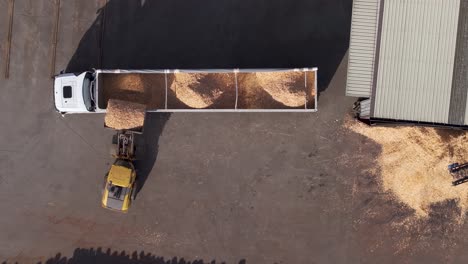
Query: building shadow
{"points": [[178, 34], [101, 256], [147, 146]]}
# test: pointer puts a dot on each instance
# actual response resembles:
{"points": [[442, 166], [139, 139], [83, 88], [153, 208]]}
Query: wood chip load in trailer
{"points": [[211, 89]]}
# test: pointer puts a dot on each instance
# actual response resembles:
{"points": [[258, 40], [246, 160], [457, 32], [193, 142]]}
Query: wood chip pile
{"points": [[252, 96], [202, 90], [413, 164], [123, 115], [276, 90], [311, 89], [147, 89], [287, 88]]}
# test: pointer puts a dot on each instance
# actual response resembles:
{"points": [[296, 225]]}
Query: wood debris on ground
{"points": [[413, 164]]}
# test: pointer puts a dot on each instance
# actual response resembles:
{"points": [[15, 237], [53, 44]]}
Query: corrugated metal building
{"points": [[409, 60]]}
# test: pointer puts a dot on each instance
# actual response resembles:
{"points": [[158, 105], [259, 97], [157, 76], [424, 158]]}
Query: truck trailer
{"points": [[219, 90]]}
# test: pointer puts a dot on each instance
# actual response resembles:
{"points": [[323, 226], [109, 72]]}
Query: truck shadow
{"points": [[177, 34], [147, 146], [101, 256]]}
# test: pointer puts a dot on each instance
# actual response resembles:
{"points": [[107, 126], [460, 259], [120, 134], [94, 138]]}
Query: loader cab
{"points": [[74, 93]]}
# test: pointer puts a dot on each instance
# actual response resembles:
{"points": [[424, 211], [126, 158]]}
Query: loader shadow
{"points": [[147, 146], [98, 255], [177, 34]]}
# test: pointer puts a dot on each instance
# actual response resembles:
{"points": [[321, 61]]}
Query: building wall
{"points": [[362, 48]]}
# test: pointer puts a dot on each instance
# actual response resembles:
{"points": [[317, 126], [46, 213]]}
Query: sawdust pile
{"points": [[147, 89], [130, 82], [414, 162], [285, 87], [125, 115], [312, 90], [201, 90]]}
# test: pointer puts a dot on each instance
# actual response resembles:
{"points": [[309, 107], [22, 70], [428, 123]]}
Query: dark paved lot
{"points": [[234, 188]]}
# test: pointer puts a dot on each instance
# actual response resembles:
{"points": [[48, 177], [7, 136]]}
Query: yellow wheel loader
{"points": [[120, 184]]}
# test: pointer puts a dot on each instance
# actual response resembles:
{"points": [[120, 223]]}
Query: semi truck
{"points": [[218, 90]]}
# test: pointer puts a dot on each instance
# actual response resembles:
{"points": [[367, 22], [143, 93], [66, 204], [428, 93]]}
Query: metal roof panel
{"points": [[416, 60]]}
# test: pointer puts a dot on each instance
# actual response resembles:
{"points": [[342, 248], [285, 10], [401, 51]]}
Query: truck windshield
{"points": [[88, 84]]}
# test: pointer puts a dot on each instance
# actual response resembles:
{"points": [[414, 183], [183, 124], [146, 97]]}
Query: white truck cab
{"points": [[74, 93]]}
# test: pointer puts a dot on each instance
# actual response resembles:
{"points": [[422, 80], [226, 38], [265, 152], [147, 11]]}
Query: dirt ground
{"points": [[218, 188]]}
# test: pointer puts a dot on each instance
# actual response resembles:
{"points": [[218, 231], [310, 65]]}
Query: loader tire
{"points": [[114, 139], [135, 190]]}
